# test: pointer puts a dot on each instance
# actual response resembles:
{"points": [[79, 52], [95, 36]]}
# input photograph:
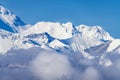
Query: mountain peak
{"points": [[94, 32], [8, 20], [3, 10]]}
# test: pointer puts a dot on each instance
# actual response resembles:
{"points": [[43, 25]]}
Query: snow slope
{"points": [[8, 21], [56, 30], [113, 45]]}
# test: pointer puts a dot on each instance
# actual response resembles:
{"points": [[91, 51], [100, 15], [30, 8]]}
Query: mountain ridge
{"points": [[9, 21], [61, 37]]}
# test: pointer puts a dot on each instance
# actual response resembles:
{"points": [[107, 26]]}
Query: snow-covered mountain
{"points": [[89, 42], [9, 21], [54, 35]]}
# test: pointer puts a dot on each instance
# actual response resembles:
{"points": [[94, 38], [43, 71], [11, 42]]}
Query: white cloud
{"points": [[91, 74], [51, 66]]}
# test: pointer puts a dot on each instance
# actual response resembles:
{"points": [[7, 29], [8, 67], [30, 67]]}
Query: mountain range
{"points": [[90, 42]]}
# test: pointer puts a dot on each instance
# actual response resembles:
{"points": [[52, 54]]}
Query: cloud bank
{"points": [[39, 64], [52, 66]]}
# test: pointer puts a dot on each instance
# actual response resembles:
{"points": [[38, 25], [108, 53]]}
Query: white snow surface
{"points": [[56, 44], [94, 32], [113, 45], [5, 45], [56, 30]]}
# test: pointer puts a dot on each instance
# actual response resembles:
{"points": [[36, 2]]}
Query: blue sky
{"points": [[105, 13]]}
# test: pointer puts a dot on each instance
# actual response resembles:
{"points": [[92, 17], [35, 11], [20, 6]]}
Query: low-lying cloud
{"points": [[91, 74], [52, 66], [39, 64]]}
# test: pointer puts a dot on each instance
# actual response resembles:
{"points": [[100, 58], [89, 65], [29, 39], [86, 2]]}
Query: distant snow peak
{"points": [[3, 10], [69, 27], [54, 29], [94, 32], [9, 21]]}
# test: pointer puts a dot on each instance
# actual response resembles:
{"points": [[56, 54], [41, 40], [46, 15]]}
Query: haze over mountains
{"points": [[79, 47]]}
